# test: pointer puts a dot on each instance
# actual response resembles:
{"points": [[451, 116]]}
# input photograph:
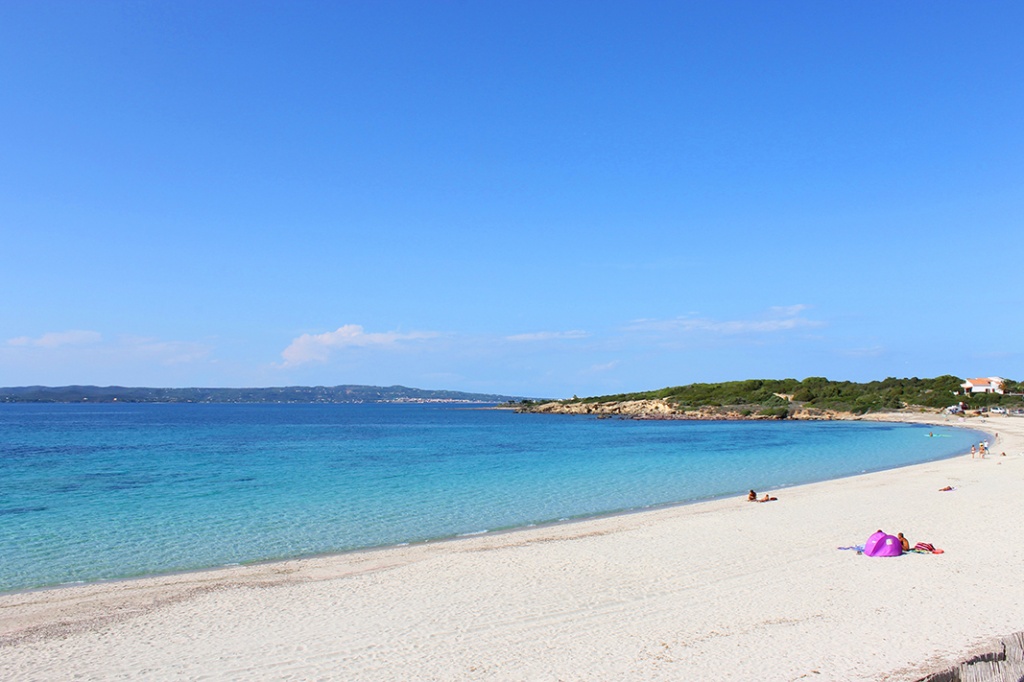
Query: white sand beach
{"points": [[724, 590]]}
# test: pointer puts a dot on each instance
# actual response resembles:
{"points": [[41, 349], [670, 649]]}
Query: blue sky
{"points": [[532, 198]]}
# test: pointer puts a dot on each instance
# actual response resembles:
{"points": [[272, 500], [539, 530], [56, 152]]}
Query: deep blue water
{"points": [[92, 492]]}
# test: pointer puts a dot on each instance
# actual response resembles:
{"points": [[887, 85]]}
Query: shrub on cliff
{"points": [[776, 412], [818, 392]]}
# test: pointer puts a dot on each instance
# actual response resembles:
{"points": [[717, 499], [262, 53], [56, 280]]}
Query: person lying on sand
{"points": [[767, 499], [946, 489]]}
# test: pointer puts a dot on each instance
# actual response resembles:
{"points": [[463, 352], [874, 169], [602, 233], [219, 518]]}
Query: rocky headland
{"points": [[663, 409]]}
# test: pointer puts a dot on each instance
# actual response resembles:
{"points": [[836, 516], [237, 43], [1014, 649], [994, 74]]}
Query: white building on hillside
{"points": [[983, 385]]}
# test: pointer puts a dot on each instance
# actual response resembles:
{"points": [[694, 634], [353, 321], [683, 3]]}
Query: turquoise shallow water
{"points": [[92, 492]]}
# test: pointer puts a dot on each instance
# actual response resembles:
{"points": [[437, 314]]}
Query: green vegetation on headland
{"points": [[286, 394], [780, 398]]}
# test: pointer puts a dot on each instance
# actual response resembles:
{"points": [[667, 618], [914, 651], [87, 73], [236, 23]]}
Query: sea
{"points": [[110, 491]]}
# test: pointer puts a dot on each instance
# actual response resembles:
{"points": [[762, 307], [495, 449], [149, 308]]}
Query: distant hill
{"points": [[285, 394], [779, 397]]}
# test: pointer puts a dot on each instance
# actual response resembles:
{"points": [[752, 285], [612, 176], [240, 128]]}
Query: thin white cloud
{"points": [[75, 337], [318, 347], [549, 336], [81, 344], [778, 319], [605, 367], [164, 352], [866, 352], [787, 310], [87, 357]]}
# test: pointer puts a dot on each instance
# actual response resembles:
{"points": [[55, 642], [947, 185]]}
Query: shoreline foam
{"points": [[712, 590]]}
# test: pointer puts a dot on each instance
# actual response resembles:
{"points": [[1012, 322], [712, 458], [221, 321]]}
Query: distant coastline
{"points": [[275, 395]]}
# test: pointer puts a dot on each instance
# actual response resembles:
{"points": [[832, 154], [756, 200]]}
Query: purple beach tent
{"points": [[880, 544]]}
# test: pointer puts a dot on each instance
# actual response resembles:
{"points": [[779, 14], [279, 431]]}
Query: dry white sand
{"points": [[725, 590]]}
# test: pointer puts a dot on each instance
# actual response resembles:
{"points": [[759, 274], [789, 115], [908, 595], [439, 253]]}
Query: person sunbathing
{"points": [[904, 543], [767, 499], [752, 496]]}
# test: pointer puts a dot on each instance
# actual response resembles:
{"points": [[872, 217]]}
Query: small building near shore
{"points": [[983, 385]]}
